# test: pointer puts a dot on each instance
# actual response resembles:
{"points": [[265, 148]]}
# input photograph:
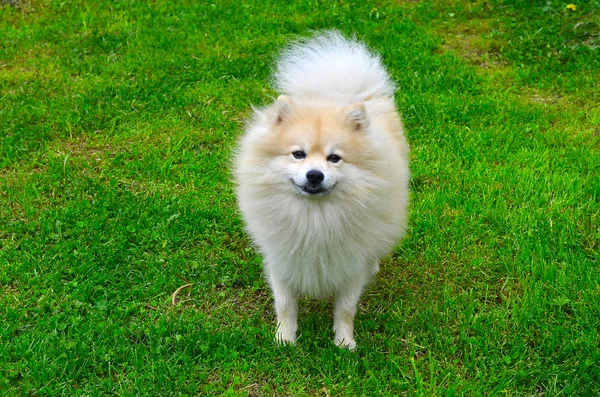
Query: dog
{"points": [[322, 178]]}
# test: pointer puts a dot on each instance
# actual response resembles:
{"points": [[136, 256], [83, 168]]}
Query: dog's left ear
{"points": [[282, 108], [356, 115]]}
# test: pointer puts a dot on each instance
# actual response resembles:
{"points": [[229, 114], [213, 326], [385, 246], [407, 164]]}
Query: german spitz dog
{"points": [[323, 179]]}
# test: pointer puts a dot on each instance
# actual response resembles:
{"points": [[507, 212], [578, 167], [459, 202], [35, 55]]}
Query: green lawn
{"points": [[117, 125]]}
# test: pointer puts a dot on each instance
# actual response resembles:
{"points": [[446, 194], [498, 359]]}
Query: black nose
{"points": [[315, 177]]}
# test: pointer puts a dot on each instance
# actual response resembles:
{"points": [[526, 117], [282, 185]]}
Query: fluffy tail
{"points": [[332, 66]]}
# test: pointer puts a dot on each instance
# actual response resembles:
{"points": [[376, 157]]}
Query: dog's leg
{"points": [[286, 307], [343, 314], [376, 267]]}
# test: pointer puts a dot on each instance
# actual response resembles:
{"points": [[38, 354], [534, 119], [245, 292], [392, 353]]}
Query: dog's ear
{"points": [[356, 115], [282, 108]]}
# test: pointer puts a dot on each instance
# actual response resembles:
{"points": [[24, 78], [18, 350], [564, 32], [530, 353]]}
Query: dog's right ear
{"points": [[282, 108], [356, 115]]}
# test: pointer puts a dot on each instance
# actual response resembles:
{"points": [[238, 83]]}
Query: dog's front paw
{"points": [[285, 335], [345, 342]]}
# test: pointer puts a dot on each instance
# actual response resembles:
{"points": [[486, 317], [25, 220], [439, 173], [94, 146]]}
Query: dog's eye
{"points": [[299, 154], [334, 158]]}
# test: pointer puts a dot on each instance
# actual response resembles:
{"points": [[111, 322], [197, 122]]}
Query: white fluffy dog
{"points": [[322, 178]]}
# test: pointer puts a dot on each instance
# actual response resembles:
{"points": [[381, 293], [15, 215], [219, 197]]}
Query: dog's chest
{"points": [[322, 260]]}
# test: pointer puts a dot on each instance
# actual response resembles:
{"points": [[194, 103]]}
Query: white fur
{"points": [[333, 66], [324, 246]]}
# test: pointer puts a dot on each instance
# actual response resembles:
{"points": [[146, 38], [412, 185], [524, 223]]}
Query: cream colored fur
{"points": [[338, 99]]}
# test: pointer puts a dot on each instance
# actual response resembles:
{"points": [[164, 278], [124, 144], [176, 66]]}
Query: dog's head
{"points": [[315, 149]]}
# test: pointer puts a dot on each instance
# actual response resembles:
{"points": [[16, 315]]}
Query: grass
{"points": [[118, 122]]}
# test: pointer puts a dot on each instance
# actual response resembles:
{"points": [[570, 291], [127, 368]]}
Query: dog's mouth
{"points": [[312, 190]]}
